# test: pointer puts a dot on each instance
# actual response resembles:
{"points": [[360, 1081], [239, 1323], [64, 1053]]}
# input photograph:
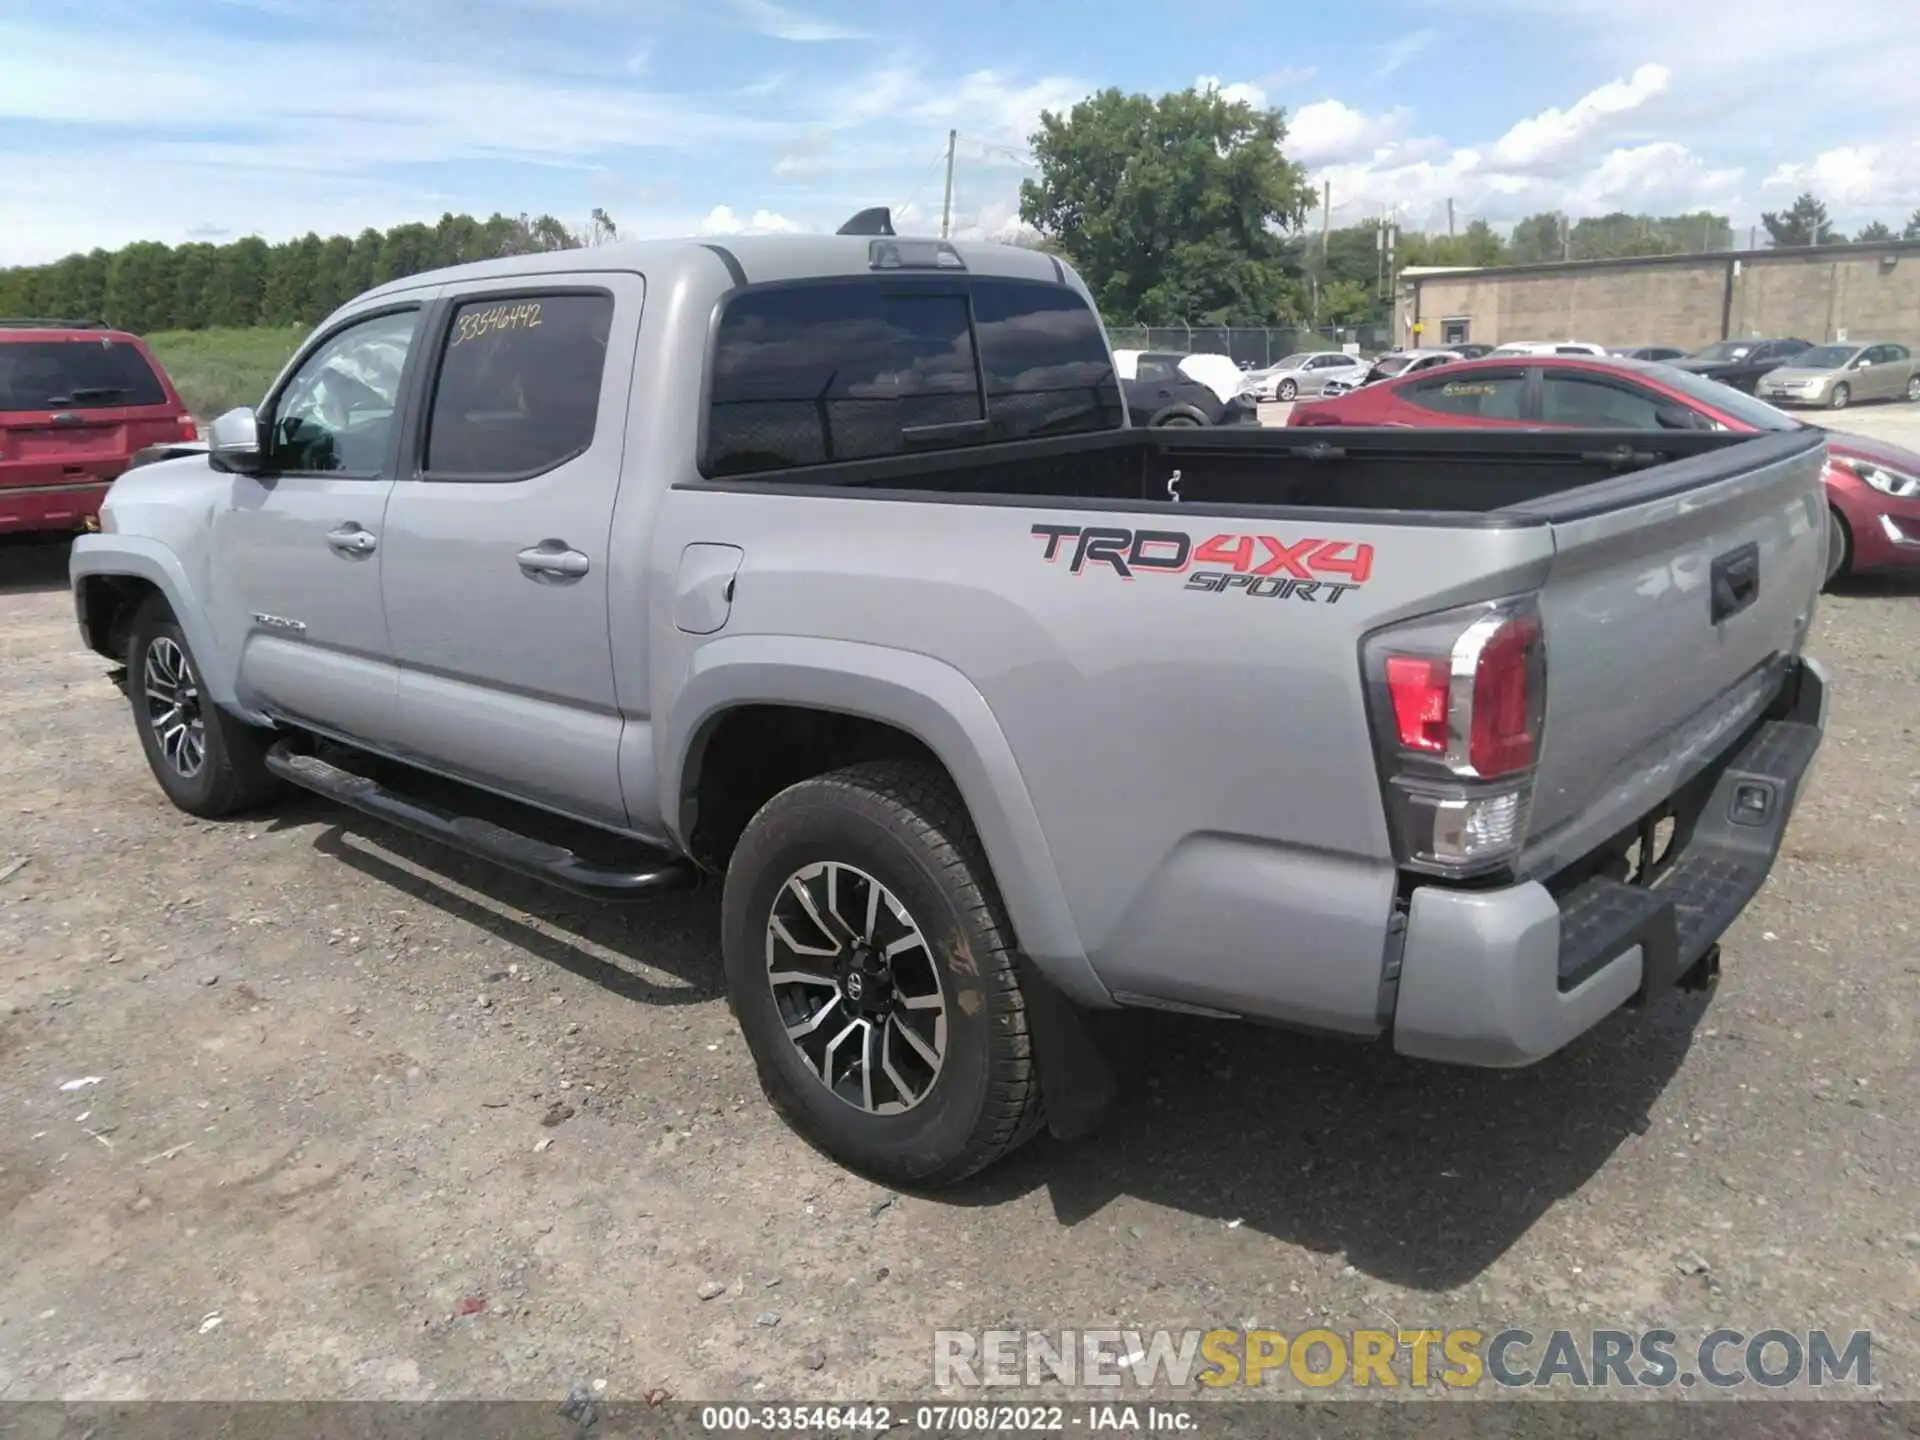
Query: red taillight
{"points": [[1420, 690], [188, 430], [1501, 732], [1457, 700]]}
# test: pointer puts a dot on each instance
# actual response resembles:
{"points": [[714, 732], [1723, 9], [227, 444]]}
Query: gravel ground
{"points": [[373, 1121]]}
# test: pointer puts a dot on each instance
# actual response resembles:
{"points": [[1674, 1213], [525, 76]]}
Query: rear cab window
{"points": [[823, 371], [76, 374]]}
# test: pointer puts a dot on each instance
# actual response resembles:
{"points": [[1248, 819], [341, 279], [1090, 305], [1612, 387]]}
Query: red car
{"points": [[77, 402], [1873, 488]]}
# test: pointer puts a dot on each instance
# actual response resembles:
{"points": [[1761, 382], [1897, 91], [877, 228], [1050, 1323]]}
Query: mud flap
{"points": [[1076, 1081]]}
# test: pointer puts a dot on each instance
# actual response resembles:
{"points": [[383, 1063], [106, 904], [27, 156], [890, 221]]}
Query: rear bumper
{"points": [[50, 507], [1506, 977]]}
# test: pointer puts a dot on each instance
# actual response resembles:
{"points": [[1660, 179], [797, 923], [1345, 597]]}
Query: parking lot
{"points": [[360, 1118]]}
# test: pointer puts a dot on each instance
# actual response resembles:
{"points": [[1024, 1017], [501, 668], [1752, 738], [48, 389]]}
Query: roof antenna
{"points": [[876, 221]]}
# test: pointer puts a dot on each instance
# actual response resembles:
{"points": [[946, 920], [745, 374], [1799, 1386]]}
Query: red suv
{"points": [[78, 401]]}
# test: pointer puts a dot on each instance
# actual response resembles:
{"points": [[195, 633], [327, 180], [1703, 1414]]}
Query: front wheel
{"points": [[1913, 389], [1839, 398], [872, 972], [208, 763], [1288, 389]]}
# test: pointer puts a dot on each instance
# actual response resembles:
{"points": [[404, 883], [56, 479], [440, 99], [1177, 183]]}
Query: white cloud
{"points": [[1857, 178], [785, 23], [1554, 133], [1401, 52], [722, 221], [1663, 177], [1253, 95], [1329, 132]]}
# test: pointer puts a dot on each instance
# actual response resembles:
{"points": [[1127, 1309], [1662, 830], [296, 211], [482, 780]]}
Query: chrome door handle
{"points": [[552, 559], [352, 540]]}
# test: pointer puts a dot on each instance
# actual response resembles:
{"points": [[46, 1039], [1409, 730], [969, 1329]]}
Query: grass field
{"points": [[215, 370]]}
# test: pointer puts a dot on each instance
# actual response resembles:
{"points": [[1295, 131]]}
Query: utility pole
{"points": [[946, 206], [1566, 238], [1449, 217], [1326, 218]]}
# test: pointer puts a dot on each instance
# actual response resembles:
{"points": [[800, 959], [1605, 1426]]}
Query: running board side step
{"points": [[482, 839]]}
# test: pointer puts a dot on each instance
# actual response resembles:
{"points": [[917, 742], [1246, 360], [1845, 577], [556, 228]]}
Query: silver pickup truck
{"points": [[830, 569]]}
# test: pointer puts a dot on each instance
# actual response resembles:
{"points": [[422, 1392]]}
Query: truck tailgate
{"points": [[1673, 596]]}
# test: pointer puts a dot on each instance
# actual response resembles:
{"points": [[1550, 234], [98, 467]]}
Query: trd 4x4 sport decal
{"points": [[1264, 566]]}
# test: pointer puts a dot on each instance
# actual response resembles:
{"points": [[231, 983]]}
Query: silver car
{"points": [[1307, 374], [1837, 375]]}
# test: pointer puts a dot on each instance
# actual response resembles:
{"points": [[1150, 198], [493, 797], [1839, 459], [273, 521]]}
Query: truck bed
{"points": [[1179, 681], [1453, 473]]}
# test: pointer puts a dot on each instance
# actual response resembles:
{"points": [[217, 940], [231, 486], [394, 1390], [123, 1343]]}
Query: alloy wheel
{"points": [[172, 694], [857, 988]]}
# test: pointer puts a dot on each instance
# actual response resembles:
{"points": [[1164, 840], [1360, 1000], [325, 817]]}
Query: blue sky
{"points": [[218, 118]]}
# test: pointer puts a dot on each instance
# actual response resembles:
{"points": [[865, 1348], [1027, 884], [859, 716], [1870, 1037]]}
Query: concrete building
{"points": [[1818, 293]]}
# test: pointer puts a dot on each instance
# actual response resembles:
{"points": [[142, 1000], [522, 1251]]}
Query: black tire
{"points": [[1913, 389], [903, 824], [1178, 420], [1839, 547], [1288, 389], [231, 775], [1842, 393]]}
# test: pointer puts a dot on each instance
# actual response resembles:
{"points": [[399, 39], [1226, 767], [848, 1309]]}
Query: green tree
{"points": [[1535, 239], [1912, 232], [291, 270], [332, 278], [139, 290], [1875, 231], [405, 250], [238, 282], [1347, 302], [193, 267], [365, 261], [1804, 222], [1172, 208]]}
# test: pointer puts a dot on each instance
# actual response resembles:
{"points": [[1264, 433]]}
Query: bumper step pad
{"points": [[1704, 887]]}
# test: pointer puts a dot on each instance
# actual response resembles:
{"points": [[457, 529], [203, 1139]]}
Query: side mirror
{"points": [[1676, 417], [233, 441], [1862, 363]]}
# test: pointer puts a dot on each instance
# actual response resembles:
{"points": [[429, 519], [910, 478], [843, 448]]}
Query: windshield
{"points": [[75, 375], [1824, 357], [1725, 399], [1724, 350], [1293, 362], [1393, 364]]}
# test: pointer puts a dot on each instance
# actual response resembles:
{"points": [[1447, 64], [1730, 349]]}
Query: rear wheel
{"points": [[208, 763], [872, 971], [1839, 546], [1178, 421], [1840, 396], [1288, 389], [1913, 388]]}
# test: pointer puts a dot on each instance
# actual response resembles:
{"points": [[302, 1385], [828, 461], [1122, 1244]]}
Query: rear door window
{"points": [[75, 375], [518, 391], [1587, 402], [1497, 394]]}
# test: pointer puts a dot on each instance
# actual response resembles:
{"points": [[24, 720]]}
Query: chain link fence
{"points": [[1249, 345]]}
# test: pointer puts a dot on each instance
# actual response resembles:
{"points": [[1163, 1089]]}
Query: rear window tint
{"points": [[816, 373], [75, 375], [519, 385], [1494, 394]]}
